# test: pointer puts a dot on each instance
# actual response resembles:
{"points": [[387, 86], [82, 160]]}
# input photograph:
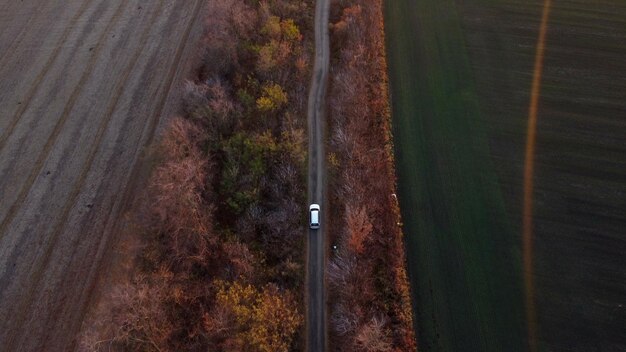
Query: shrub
{"points": [[263, 321], [371, 307], [176, 190], [246, 161], [273, 98]]}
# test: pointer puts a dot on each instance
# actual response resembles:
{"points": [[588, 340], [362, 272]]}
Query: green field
{"points": [[460, 76]]}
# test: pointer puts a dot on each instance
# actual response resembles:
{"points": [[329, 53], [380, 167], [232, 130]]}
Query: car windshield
{"points": [[314, 215]]}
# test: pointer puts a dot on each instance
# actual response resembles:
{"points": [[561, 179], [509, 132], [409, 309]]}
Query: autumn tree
{"points": [[241, 260], [176, 205], [247, 159], [283, 36], [373, 336], [359, 228], [265, 320], [275, 321], [137, 319], [210, 104], [369, 288], [272, 98]]}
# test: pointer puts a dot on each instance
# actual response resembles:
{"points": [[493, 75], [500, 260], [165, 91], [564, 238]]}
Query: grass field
{"points": [[460, 76]]}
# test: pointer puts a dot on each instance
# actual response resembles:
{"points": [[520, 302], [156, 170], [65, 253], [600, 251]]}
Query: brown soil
{"points": [[85, 85]]}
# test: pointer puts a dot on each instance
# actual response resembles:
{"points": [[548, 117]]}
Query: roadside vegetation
{"points": [[222, 218], [370, 302]]}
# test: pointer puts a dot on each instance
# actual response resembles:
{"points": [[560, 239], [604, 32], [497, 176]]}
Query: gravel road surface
{"points": [[316, 247]]}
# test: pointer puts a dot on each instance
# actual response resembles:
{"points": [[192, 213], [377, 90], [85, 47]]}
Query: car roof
{"points": [[315, 216]]}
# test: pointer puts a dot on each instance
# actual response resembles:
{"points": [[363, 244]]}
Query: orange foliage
{"points": [[369, 288], [177, 185], [221, 217], [256, 321], [359, 228]]}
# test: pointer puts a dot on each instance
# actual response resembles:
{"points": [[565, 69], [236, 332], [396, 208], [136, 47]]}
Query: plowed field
{"points": [[84, 85]]}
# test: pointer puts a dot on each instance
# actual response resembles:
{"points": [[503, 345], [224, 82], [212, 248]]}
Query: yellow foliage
{"points": [[333, 160], [266, 320], [265, 104], [293, 141], [267, 56], [290, 30], [283, 37], [267, 141], [273, 54], [287, 29], [272, 27], [273, 98], [275, 321], [239, 299]]}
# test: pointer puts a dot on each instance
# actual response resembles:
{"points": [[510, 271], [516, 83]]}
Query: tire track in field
{"points": [[133, 179], [94, 148], [20, 36], [69, 106], [40, 76], [173, 70]]}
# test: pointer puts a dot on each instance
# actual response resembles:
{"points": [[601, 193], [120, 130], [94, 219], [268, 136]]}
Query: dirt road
{"points": [[316, 248], [84, 85]]}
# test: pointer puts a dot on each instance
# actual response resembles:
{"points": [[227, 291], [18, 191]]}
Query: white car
{"points": [[314, 211]]}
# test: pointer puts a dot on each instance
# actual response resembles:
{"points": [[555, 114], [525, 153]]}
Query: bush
{"points": [[370, 305], [273, 98], [263, 321], [177, 210]]}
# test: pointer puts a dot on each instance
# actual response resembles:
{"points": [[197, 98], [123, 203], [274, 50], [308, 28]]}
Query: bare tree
{"points": [[373, 337]]}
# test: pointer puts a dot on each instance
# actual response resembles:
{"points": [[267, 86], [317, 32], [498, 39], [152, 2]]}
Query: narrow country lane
{"points": [[316, 244]]}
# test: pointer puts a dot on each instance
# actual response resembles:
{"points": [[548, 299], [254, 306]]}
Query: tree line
{"points": [[224, 214], [222, 218]]}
